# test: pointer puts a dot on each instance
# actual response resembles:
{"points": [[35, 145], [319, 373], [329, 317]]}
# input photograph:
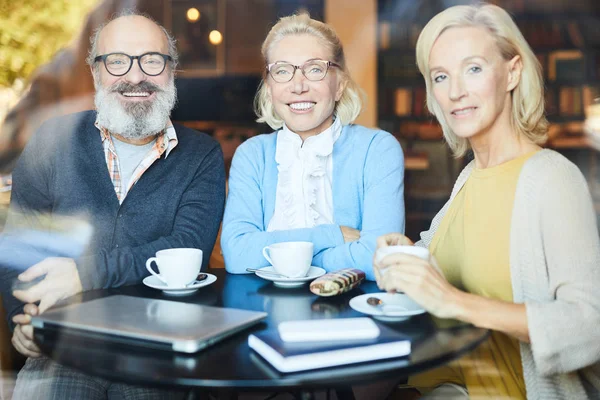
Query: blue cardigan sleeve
{"points": [[383, 207], [244, 233]]}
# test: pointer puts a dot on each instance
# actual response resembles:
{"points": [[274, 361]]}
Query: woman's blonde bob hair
{"points": [[350, 104], [527, 113]]}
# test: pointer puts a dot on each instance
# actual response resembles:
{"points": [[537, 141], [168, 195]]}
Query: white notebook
{"points": [[318, 330], [301, 356]]}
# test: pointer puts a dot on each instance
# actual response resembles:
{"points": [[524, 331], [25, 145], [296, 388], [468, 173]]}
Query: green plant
{"points": [[32, 31]]}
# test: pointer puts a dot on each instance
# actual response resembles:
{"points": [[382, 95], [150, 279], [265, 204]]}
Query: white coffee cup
{"points": [[417, 251], [291, 259], [176, 267]]}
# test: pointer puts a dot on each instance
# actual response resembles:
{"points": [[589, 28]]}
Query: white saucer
{"points": [[313, 273], [155, 283], [396, 307]]}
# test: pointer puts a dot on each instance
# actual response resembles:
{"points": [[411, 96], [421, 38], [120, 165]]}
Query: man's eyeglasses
{"points": [[313, 70], [118, 64]]}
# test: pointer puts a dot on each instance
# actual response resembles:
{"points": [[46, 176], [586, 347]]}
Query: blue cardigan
{"points": [[368, 190]]}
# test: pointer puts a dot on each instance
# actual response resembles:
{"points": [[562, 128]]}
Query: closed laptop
{"points": [[163, 324]]}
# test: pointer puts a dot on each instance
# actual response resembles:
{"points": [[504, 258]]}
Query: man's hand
{"points": [[350, 234], [61, 281], [23, 335]]}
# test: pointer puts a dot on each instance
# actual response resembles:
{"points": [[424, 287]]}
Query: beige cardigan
{"points": [[555, 271]]}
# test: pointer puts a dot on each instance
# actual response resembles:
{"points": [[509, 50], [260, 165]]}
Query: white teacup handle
{"points": [[266, 254], [149, 268]]}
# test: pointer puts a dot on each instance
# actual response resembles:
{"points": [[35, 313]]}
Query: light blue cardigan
{"points": [[368, 195]]}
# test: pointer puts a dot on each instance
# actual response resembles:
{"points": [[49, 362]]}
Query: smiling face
{"points": [[134, 106], [305, 106], [133, 35], [471, 82]]}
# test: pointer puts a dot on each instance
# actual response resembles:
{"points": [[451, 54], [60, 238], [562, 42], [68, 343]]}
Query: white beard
{"points": [[138, 120]]}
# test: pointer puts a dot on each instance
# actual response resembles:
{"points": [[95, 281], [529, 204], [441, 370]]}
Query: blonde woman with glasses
{"points": [[516, 248], [318, 177]]}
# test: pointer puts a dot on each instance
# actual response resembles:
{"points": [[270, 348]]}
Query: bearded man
{"points": [[144, 184]]}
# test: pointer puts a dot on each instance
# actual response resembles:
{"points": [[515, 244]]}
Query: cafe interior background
{"points": [[43, 44]]}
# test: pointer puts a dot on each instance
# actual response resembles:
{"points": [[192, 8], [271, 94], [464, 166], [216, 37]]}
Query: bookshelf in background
{"points": [[567, 48], [563, 34]]}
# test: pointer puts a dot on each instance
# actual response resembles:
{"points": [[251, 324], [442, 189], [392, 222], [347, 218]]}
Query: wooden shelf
{"points": [[571, 135], [574, 142], [569, 142], [416, 160]]}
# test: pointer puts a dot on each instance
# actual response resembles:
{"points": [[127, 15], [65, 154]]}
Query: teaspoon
{"points": [[265, 272]]}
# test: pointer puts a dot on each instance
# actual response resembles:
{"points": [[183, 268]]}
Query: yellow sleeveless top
{"points": [[472, 247]]}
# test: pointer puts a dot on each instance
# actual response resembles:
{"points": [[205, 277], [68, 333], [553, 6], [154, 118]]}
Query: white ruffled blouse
{"points": [[304, 196]]}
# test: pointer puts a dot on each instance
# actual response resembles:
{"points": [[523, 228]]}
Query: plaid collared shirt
{"points": [[165, 142]]}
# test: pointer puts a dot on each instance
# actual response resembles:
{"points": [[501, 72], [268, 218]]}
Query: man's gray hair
{"points": [[171, 42]]}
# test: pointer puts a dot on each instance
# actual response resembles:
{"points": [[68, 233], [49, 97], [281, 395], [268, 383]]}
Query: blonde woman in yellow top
{"points": [[516, 248]]}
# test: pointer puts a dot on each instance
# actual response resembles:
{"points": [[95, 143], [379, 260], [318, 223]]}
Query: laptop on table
{"points": [[161, 324]]}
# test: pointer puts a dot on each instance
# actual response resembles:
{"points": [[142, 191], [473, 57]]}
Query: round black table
{"points": [[231, 363]]}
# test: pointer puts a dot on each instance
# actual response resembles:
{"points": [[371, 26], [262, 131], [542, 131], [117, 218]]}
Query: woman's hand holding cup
{"points": [[386, 245], [400, 266]]}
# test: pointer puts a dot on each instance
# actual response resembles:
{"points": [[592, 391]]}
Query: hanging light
{"points": [[215, 37], [193, 14]]}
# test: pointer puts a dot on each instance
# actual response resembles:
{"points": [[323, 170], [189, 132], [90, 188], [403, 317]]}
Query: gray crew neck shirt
{"points": [[130, 156]]}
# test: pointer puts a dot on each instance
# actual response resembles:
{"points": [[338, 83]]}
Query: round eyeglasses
{"points": [[118, 64], [313, 70]]}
